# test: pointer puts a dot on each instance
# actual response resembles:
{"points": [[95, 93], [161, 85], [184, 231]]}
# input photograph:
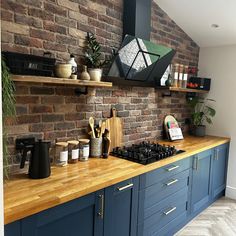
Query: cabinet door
{"points": [[121, 205], [13, 229], [80, 217], [201, 181], [219, 170]]}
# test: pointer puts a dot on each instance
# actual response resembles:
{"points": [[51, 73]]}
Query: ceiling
{"points": [[195, 17]]}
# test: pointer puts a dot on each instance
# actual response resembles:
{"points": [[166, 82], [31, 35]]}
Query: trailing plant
{"points": [[202, 111], [93, 53], [8, 109]]}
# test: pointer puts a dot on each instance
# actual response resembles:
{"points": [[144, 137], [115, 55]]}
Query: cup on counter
{"points": [[96, 147]]}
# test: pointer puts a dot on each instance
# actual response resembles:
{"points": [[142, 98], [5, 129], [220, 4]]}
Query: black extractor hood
{"points": [[139, 62]]}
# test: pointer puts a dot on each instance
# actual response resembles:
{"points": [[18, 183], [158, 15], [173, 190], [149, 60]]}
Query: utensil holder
{"points": [[96, 147]]}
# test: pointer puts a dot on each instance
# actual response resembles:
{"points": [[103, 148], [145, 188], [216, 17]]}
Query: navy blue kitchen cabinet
{"points": [[219, 170], [80, 217], [163, 199], [159, 202], [201, 180], [13, 229], [121, 204]]}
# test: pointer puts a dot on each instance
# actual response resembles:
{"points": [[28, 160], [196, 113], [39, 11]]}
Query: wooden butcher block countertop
{"points": [[24, 197]]}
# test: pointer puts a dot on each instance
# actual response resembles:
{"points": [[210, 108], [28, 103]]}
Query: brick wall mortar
{"points": [[52, 112]]}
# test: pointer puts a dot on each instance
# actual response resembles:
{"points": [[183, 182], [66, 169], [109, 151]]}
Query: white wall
{"points": [[219, 63]]}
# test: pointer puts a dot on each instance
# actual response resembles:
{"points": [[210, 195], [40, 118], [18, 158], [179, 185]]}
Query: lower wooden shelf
{"points": [[61, 81], [187, 90]]}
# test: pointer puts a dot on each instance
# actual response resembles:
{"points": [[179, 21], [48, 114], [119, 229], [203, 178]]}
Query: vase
{"points": [[95, 74], [85, 75]]}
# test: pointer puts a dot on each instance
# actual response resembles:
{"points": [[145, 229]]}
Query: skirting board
{"points": [[230, 192]]}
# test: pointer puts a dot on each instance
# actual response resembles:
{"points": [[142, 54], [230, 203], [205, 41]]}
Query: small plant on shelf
{"points": [[202, 112], [8, 110], [93, 57]]}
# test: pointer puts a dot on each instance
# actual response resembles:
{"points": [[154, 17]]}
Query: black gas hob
{"points": [[145, 152]]}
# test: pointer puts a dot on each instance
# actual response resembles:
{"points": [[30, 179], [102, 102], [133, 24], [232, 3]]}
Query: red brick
{"points": [[75, 99], [51, 26], [21, 110], [41, 127], [27, 119], [64, 126], [36, 12], [88, 12], [54, 135], [14, 7], [65, 40], [27, 20], [27, 41], [40, 109], [14, 48], [66, 22], [54, 46], [41, 90], [65, 108], [52, 117], [74, 116], [27, 99], [54, 9], [42, 34], [52, 99], [6, 15], [110, 100]]}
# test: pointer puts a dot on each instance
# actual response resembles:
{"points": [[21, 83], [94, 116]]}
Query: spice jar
{"points": [[73, 151], [61, 153], [176, 75], [83, 149], [185, 77], [181, 71]]}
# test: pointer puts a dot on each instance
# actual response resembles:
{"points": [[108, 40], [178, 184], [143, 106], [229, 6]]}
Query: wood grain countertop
{"points": [[24, 197]]}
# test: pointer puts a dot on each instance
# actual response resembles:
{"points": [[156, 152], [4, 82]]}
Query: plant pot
{"points": [[63, 70], [95, 74], [200, 130]]}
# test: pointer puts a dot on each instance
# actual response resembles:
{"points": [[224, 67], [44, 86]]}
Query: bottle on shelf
{"points": [[176, 75], [181, 72], [74, 66], [185, 77]]}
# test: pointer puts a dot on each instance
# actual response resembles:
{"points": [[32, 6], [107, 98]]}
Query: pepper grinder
{"points": [[105, 144]]}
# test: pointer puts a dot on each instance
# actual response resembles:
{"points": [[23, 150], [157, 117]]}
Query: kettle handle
{"points": [[25, 151]]}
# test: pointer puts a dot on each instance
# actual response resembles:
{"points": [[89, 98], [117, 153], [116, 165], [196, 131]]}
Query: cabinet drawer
{"points": [[167, 171], [151, 196], [123, 186], [165, 211]]}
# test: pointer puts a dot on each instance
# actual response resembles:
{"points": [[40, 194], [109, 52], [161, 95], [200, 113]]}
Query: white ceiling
{"points": [[195, 17]]}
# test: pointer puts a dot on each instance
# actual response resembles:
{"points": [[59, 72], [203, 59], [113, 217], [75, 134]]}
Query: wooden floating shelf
{"points": [[187, 90], [61, 81]]}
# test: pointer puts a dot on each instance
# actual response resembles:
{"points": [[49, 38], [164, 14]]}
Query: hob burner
{"points": [[145, 152]]}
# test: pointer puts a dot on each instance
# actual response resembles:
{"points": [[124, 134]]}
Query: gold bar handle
{"points": [[125, 187], [172, 182], [172, 168], [169, 211], [101, 210]]}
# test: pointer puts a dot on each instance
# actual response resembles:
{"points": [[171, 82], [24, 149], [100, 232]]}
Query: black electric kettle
{"points": [[39, 163]]}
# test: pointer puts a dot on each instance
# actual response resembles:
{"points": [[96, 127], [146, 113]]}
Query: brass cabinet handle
{"points": [[125, 187], [169, 211], [172, 182], [101, 206], [172, 168]]}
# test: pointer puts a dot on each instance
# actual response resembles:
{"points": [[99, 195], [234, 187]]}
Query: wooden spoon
{"points": [[91, 123], [103, 128]]}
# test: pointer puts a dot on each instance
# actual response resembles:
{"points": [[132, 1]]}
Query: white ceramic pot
{"points": [[95, 74], [63, 70]]}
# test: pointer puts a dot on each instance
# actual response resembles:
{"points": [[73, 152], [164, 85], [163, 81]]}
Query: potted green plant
{"points": [[93, 57], [8, 109], [202, 112]]}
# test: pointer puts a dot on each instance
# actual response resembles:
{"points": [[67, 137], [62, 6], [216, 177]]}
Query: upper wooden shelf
{"points": [[54, 80], [187, 90]]}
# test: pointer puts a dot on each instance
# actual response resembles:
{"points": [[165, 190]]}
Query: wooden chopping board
{"points": [[115, 127]]}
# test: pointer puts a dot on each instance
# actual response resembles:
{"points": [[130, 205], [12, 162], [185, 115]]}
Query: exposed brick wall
{"points": [[60, 26]]}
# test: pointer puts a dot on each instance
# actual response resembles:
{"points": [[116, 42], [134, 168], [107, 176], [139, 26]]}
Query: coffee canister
{"points": [[83, 149]]}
